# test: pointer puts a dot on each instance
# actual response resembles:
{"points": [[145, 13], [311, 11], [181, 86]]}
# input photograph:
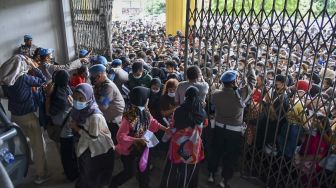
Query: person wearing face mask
{"points": [[95, 149], [280, 103], [167, 100], [227, 139], [296, 121], [131, 144], [108, 96], [58, 106], [138, 77], [154, 98]]}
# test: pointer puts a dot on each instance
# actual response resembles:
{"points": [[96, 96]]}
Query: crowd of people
{"points": [[95, 109]]}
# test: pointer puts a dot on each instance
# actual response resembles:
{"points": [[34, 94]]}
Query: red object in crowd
{"points": [[302, 85], [76, 80], [256, 95]]}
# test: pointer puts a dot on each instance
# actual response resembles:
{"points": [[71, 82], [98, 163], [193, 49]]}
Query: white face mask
{"points": [[171, 94], [155, 90], [141, 108], [136, 77]]}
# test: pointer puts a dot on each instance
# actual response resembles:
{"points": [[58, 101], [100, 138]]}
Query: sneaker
{"points": [[41, 179], [211, 179], [222, 184]]}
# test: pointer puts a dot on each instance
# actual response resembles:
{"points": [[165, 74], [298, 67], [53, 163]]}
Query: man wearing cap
{"points": [[99, 60], [227, 140], [108, 96], [84, 53], [48, 67], [118, 75], [28, 48]]}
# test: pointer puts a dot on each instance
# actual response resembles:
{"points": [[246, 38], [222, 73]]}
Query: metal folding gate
{"points": [[295, 38], [92, 23]]}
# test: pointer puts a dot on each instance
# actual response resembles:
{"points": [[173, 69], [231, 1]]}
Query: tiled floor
{"points": [[58, 181]]}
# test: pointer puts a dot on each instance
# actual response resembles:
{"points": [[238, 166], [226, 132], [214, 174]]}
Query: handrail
{"points": [[3, 118], [7, 135]]}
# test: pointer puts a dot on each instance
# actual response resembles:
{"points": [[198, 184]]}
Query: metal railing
{"points": [[291, 136], [92, 20]]}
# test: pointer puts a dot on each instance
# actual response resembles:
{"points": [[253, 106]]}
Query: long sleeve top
{"points": [[20, 95], [124, 139], [95, 136]]}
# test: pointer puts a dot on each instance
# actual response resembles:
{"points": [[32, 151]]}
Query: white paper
{"points": [[152, 141]]}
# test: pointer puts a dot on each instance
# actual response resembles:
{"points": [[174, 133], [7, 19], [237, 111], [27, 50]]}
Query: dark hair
{"points": [[132, 55], [171, 63], [36, 52], [82, 69], [137, 66], [216, 57], [280, 78], [329, 81], [192, 72], [142, 55]]}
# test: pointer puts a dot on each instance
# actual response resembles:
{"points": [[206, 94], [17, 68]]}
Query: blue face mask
{"points": [[79, 105]]}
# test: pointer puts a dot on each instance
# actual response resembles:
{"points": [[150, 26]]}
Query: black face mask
{"points": [[93, 80]]}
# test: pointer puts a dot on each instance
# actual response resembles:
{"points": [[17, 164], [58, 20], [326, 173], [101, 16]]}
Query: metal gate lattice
{"points": [[92, 20], [293, 133]]}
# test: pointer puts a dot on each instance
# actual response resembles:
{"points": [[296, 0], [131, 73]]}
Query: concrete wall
{"points": [[46, 20]]}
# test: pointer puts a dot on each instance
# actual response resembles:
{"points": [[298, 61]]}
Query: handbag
{"points": [[54, 131], [144, 160]]}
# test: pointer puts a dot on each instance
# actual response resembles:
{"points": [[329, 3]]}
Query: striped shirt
{"points": [[20, 96]]}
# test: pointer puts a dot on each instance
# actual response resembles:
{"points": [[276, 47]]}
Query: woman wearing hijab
{"points": [[186, 150], [95, 150], [58, 106], [131, 144], [154, 98]]}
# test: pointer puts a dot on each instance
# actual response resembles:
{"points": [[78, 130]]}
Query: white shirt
{"points": [[95, 136], [203, 88]]}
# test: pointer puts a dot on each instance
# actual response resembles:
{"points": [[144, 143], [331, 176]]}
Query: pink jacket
{"points": [[125, 141]]}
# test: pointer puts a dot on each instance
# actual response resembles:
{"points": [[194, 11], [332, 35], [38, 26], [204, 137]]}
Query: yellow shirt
{"points": [[297, 115]]}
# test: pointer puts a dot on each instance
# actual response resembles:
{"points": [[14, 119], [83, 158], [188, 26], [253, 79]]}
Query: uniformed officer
{"points": [[227, 140], [28, 48], [108, 97]]}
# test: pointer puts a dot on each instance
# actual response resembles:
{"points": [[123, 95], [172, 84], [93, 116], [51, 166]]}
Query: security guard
{"points": [[108, 97], [227, 140], [28, 48]]}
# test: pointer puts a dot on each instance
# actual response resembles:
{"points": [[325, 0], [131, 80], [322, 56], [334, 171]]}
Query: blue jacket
{"points": [[21, 100]]}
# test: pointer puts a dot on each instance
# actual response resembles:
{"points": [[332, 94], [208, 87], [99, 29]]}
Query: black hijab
{"points": [[138, 118], [59, 97], [155, 81], [191, 112], [154, 99]]}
